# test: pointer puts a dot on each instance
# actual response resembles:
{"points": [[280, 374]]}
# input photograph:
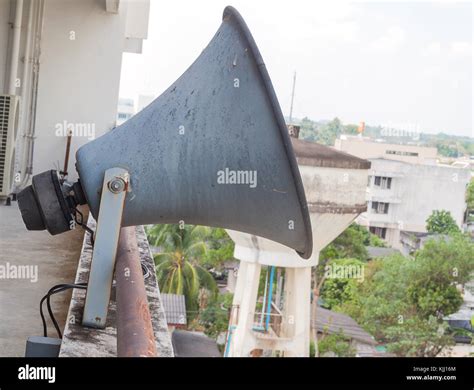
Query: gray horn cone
{"points": [[212, 150]]}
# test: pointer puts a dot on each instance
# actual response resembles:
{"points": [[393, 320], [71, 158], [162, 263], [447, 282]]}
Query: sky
{"points": [[402, 64]]}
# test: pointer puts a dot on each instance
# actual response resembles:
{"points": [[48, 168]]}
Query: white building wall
{"points": [[82, 42], [4, 39], [415, 192], [81, 57]]}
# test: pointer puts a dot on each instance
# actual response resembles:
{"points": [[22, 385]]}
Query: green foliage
{"points": [[417, 337], [402, 299], [312, 349], [452, 146], [220, 248], [336, 343], [375, 240], [447, 150], [440, 265], [328, 133], [432, 299], [441, 221], [447, 145], [177, 268], [337, 290], [349, 244], [215, 317], [307, 129], [470, 195]]}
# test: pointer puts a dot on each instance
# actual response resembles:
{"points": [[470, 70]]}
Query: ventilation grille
{"points": [[5, 104]]}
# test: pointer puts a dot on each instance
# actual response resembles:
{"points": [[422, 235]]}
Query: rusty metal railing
{"points": [[135, 336]]}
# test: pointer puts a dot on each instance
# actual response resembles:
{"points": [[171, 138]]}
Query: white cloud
{"points": [[419, 66], [461, 49], [391, 40], [433, 49]]}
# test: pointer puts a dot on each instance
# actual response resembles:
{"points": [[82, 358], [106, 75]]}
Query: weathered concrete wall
{"points": [[79, 341]]}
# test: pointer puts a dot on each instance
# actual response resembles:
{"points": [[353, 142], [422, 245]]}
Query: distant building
{"points": [[127, 107], [143, 101], [368, 148], [330, 322], [175, 310], [125, 110], [375, 252], [232, 269], [458, 162], [413, 241], [405, 186]]}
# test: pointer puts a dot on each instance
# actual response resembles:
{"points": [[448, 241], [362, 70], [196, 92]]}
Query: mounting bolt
{"points": [[116, 185]]}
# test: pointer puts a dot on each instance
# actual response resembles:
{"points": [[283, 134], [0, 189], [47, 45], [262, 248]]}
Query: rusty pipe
{"points": [[68, 151], [135, 337]]}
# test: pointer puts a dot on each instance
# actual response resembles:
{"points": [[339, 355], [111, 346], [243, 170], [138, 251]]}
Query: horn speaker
{"points": [[212, 150]]}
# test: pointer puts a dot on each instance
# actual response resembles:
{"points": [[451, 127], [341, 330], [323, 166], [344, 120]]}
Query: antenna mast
{"points": [[292, 97]]}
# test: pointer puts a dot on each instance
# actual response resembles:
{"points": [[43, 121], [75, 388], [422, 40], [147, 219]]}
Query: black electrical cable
{"points": [[54, 290], [50, 310], [84, 225]]}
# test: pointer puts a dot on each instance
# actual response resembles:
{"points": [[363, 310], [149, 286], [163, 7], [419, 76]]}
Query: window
{"points": [[380, 207], [383, 182], [386, 183], [401, 153], [378, 231]]}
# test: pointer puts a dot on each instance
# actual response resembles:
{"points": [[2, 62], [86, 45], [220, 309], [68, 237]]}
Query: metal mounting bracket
{"points": [[114, 190]]}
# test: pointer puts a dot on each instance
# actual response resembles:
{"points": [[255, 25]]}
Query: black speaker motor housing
{"points": [[43, 204]]}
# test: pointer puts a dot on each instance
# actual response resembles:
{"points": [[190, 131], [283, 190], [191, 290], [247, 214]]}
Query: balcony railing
{"points": [[271, 324]]}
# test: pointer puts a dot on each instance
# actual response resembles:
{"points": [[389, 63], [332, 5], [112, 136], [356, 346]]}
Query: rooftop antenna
{"points": [[292, 97]]}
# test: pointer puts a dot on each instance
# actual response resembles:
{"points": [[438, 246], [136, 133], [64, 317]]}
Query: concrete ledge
{"points": [[79, 341]]}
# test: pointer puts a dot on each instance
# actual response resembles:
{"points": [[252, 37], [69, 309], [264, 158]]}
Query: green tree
{"points": [[418, 337], [439, 267], [381, 298], [328, 133], [177, 268], [350, 129], [341, 279], [441, 221], [447, 149], [215, 317], [349, 244], [336, 343], [307, 129], [470, 195], [220, 248], [402, 300]]}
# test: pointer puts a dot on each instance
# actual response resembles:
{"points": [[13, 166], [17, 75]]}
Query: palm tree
{"points": [[177, 268]]}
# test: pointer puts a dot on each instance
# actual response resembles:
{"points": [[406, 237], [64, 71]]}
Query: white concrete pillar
{"points": [[245, 298], [297, 310]]}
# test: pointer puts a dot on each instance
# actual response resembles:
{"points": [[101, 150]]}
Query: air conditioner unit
{"points": [[9, 115]]}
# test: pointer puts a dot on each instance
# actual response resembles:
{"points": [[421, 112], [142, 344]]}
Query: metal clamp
{"points": [[109, 221]]}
